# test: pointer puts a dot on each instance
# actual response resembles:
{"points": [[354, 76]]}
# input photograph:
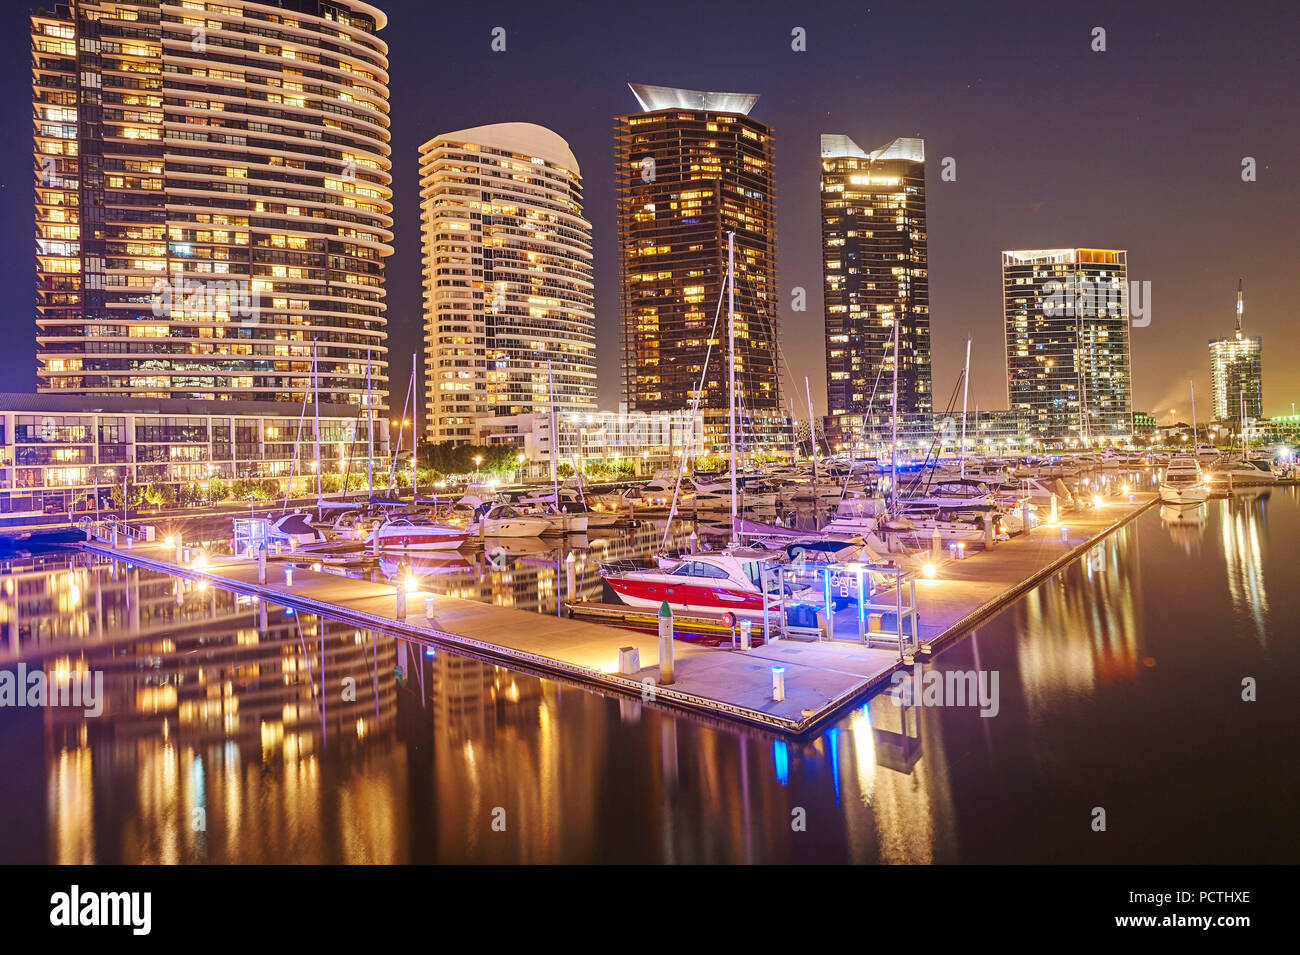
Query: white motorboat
{"points": [[716, 495], [1182, 482], [503, 520], [1239, 473], [407, 535], [293, 528], [856, 514]]}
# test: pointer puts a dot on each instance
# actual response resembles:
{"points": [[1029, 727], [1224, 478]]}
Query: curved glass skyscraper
{"points": [[507, 277], [212, 198]]}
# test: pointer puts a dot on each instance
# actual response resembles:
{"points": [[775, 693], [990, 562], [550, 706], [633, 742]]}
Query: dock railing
{"points": [[824, 588], [114, 531]]}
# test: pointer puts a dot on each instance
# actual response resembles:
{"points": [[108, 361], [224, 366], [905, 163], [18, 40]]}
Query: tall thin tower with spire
{"points": [[1235, 378]]}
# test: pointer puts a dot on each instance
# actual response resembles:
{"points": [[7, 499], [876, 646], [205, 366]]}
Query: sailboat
{"points": [[408, 533], [712, 582]]}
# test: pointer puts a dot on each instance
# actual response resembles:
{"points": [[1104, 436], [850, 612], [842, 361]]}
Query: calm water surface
{"points": [[1120, 687]]}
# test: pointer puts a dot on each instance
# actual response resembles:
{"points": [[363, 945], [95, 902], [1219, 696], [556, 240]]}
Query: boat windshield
{"points": [[697, 568]]}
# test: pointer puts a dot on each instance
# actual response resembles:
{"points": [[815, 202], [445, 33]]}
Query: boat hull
{"points": [[650, 593], [1190, 494], [416, 539]]}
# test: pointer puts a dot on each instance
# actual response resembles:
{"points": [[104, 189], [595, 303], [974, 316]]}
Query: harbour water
{"points": [[1120, 687]]}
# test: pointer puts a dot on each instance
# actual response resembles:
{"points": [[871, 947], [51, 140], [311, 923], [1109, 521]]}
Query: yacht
{"points": [[1239, 473], [1182, 482], [711, 582], [408, 535]]}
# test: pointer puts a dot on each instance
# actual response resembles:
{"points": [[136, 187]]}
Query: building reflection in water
{"points": [[1082, 628], [1243, 526], [214, 705], [204, 692]]}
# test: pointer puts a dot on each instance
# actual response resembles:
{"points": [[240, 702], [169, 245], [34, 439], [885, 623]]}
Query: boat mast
{"points": [[965, 390], [370, 436], [893, 441], [812, 437], [1195, 434], [315, 377], [555, 438], [731, 361], [415, 431]]}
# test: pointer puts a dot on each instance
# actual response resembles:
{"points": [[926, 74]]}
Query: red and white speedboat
{"points": [[696, 583], [402, 534]]}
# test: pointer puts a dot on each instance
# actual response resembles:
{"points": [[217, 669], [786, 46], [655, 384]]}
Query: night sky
{"points": [[1136, 148]]}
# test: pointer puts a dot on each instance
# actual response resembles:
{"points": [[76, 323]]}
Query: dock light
{"points": [[778, 684], [928, 571], [1096, 500], [200, 562], [169, 541], [1125, 488], [410, 583]]}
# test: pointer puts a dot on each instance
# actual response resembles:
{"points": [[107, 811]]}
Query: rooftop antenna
{"points": [[1240, 309]]}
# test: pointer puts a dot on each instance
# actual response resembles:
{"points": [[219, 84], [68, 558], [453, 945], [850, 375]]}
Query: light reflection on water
{"points": [[1120, 687]]}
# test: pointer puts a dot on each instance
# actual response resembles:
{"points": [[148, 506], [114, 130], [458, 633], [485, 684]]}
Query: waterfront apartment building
{"points": [[509, 308], [875, 272], [1067, 343], [690, 168], [639, 441], [61, 453], [212, 197], [1235, 380]]}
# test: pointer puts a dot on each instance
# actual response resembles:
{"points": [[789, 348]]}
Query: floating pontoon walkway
{"points": [[820, 677]]}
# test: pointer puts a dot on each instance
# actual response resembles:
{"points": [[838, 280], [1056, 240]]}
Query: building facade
{"points": [[62, 453], [875, 276], [507, 278], [1236, 382], [637, 442], [690, 168], [212, 197], [1067, 343]]}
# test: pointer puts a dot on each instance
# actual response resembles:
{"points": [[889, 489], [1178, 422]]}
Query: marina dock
{"points": [[819, 676]]}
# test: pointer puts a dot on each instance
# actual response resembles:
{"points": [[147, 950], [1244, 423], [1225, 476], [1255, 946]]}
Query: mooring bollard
{"points": [[936, 545], [428, 607], [988, 532], [778, 684], [261, 563], [629, 661], [1026, 518], [568, 576], [401, 598], [665, 643], [746, 633], [288, 576], [1065, 534], [1053, 519], [114, 537]]}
